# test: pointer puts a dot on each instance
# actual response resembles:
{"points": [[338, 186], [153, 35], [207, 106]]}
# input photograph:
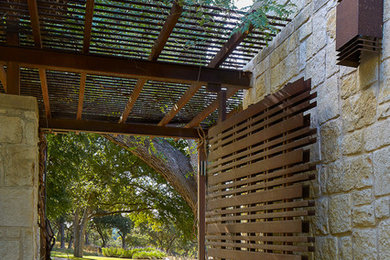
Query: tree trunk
{"points": [[70, 242], [62, 232], [123, 237], [174, 166], [79, 232]]}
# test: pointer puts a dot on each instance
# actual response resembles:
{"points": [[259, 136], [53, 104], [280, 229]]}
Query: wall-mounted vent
{"points": [[358, 29]]}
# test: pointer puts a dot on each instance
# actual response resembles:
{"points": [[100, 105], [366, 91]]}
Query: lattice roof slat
{"points": [[122, 28]]}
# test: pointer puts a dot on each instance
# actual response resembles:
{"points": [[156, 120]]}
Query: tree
{"points": [[102, 179]]}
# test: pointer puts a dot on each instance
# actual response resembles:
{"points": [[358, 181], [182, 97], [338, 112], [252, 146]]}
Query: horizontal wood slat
{"points": [[247, 255], [288, 226], [260, 166], [258, 173], [290, 192]]}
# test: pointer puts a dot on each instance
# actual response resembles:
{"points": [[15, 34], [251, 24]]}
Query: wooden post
{"points": [[13, 73], [221, 105], [202, 167]]}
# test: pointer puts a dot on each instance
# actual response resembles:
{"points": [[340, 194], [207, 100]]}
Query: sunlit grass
{"points": [[69, 255]]}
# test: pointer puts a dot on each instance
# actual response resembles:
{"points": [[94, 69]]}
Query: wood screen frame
{"points": [[258, 201]]}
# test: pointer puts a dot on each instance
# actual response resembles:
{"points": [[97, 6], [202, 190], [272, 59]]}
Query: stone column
{"points": [[19, 231]]}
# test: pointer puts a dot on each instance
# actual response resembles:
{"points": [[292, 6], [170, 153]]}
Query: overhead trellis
{"points": [[158, 32]]}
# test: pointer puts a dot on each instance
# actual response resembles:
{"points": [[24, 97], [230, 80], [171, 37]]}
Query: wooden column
{"points": [[221, 105], [13, 73], [202, 167]]}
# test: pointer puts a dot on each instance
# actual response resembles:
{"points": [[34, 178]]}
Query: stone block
{"points": [[368, 69], [376, 136], [331, 59], [320, 220], [335, 177], [11, 129], [358, 172], [384, 91], [305, 31], [353, 142], [382, 208], [29, 245], [331, 23], [382, 171], [19, 205], [9, 250], [13, 232], [386, 11], [345, 248], [364, 244], [302, 56], [328, 100], [318, 39], [361, 197], [316, 69], [340, 213], [363, 216], [384, 240], [359, 110], [20, 166], [386, 40], [349, 86], [384, 111], [19, 102], [326, 248], [330, 137], [31, 133]]}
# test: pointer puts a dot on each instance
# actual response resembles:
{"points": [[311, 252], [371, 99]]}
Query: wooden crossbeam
{"points": [[13, 69], [3, 78], [123, 67], [157, 48], [74, 125], [218, 59], [86, 44]]}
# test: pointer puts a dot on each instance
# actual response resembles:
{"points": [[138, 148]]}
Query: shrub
{"points": [[136, 253]]}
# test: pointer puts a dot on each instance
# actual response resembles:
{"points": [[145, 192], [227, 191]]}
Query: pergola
{"points": [[127, 67]]}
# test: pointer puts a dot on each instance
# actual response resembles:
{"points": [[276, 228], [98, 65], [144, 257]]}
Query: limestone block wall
{"points": [[353, 121], [19, 234]]}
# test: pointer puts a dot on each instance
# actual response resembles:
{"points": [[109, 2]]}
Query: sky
{"points": [[243, 3]]}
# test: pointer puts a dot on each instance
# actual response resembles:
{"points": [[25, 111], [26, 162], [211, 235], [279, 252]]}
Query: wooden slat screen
{"points": [[257, 181]]}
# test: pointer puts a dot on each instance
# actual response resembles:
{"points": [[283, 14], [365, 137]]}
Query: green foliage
{"points": [[136, 253]]}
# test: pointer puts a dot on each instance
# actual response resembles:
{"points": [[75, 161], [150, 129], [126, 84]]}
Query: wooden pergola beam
{"points": [[13, 69], [74, 125], [218, 59], [157, 48], [122, 67], [86, 43]]}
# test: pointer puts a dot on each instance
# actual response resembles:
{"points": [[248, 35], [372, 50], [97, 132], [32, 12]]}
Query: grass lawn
{"points": [[69, 255]]}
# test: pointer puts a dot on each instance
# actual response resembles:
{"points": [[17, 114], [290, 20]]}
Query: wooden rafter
{"points": [[13, 69], [83, 80], [34, 17], [88, 25], [45, 92], [3, 78], [74, 125], [86, 43], [157, 48], [35, 25], [208, 110], [218, 59]]}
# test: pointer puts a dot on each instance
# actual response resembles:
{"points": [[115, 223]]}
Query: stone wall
{"points": [[353, 121], [19, 235]]}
